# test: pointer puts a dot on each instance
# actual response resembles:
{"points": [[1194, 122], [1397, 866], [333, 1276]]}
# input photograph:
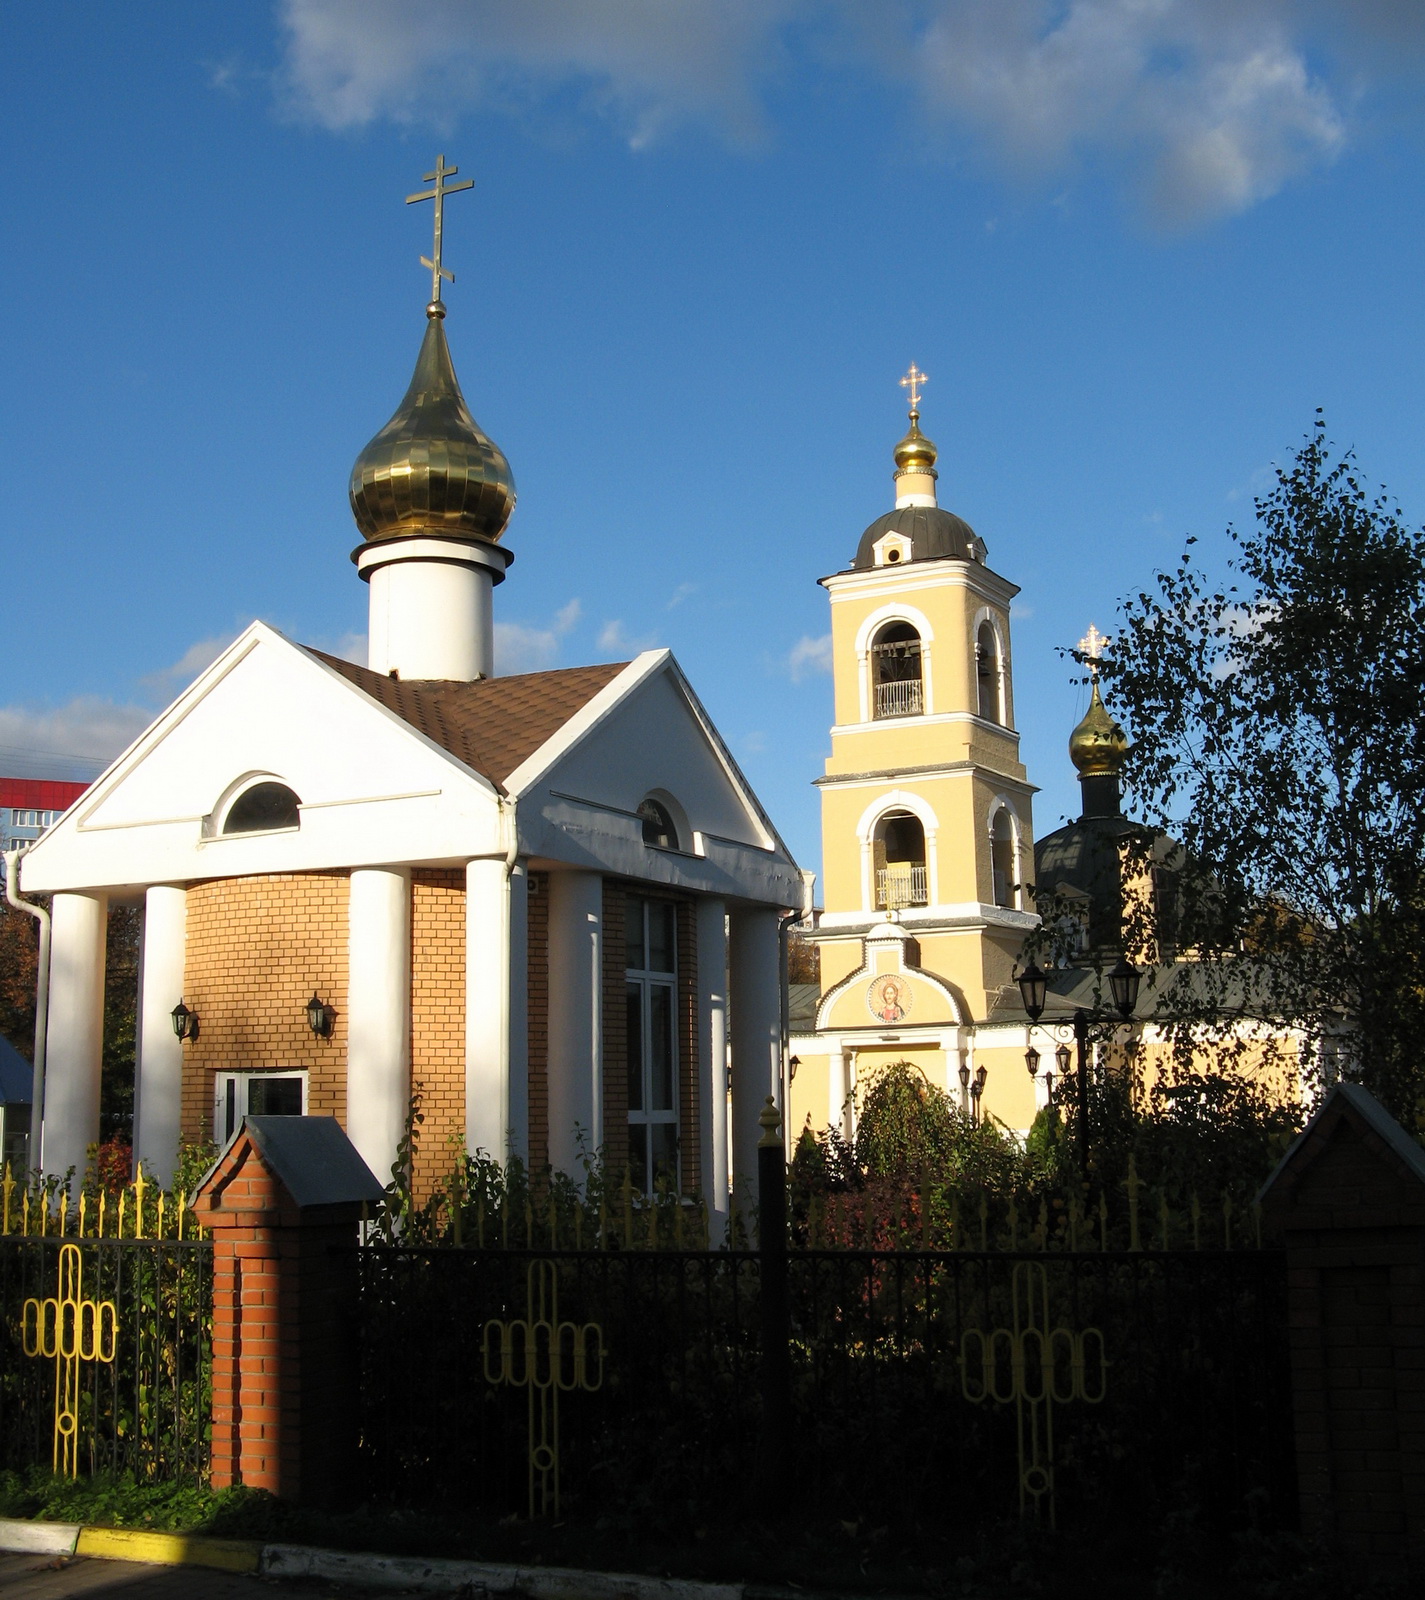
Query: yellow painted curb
{"points": [[168, 1549]]}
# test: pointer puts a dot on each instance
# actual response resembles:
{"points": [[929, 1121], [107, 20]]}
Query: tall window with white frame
{"points": [[652, 979]]}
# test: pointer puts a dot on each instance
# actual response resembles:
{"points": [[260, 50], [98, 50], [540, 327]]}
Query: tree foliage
{"points": [[1277, 734]]}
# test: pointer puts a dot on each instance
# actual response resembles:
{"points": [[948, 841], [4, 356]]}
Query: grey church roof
{"points": [[934, 534]]}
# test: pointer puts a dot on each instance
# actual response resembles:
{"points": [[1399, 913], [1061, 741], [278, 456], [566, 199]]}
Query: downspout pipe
{"points": [[37, 1092]]}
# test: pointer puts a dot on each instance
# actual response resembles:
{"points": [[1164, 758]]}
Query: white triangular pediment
{"points": [[373, 789], [646, 734]]}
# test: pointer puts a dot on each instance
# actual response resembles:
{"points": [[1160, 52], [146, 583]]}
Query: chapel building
{"points": [[927, 820], [548, 906]]}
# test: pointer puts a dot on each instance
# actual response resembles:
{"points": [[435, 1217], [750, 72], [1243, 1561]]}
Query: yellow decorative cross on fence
{"points": [[540, 1353], [1038, 1366], [69, 1329]]}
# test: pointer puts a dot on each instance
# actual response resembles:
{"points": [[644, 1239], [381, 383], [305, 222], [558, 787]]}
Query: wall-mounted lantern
{"points": [[321, 1018], [185, 1021]]}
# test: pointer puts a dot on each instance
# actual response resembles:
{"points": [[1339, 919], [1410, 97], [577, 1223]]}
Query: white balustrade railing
{"points": [[901, 884], [903, 699]]}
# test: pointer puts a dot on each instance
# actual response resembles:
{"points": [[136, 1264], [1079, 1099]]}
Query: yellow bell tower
{"points": [[927, 830]]}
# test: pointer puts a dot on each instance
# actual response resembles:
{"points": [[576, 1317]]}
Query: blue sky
{"points": [[1133, 242]]}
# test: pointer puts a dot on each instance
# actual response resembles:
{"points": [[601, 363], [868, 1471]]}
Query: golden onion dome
{"points": [[916, 453], [1098, 746], [431, 470]]}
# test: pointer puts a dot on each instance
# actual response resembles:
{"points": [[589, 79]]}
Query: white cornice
{"points": [[961, 917], [950, 769], [930, 718], [867, 583]]}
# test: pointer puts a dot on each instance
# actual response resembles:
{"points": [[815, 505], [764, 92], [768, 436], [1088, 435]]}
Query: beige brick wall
{"points": [[438, 1022], [258, 948]]}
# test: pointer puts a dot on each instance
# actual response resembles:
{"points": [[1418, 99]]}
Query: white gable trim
{"points": [[590, 716]]}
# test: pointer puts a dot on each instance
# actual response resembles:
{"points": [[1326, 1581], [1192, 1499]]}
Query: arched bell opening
{"points": [[1003, 870], [989, 674], [897, 672], [898, 848]]}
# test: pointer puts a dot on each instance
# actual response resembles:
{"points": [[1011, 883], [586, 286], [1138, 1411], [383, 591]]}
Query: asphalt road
{"points": [[24, 1577]]}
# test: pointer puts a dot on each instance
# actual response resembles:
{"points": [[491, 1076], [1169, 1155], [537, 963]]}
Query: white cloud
{"points": [[645, 65], [351, 646], [166, 683], [614, 639], [1209, 106], [75, 740], [521, 647], [808, 656], [681, 593]]}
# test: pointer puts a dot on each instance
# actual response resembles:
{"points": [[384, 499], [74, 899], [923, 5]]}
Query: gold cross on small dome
{"points": [[1092, 646], [914, 380], [438, 194]]}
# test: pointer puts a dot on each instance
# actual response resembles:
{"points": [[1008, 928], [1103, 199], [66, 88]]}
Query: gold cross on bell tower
{"points": [[914, 380], [438, 194]]}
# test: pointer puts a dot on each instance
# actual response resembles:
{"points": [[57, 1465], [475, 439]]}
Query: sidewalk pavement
{"points": [[47, 1577]]}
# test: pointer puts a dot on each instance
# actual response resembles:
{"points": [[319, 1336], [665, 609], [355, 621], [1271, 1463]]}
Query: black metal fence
{"points": [[104, 1354], [951, 1386]]}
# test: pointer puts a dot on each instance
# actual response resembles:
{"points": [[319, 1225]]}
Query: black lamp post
{"points": [[1123, 983], [977, 1088]]}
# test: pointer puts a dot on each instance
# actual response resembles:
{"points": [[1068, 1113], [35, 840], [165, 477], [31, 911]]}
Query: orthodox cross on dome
{"points": [[1091, 647], [914, 380], [438, 194]]}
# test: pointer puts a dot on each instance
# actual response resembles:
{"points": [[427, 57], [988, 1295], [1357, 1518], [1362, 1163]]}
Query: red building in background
{"points": [[29, 805]]}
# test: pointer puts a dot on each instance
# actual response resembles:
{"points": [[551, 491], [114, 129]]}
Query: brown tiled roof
{"points": [[492, 725]]}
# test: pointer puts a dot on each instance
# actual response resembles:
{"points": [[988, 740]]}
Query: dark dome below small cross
{"points": [[933, 532]]}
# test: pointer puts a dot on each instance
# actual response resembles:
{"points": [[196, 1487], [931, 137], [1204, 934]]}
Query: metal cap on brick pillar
{"points": [[776, 1316], [283, 1203]]}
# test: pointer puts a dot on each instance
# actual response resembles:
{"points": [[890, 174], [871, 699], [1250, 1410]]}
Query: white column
{"points": [[75, 1040], [839, 1110], [576, 955], [487, 1007], [378, 1013], [756, 1000], [517, 1068], [158, 1075], [712, 1042]]}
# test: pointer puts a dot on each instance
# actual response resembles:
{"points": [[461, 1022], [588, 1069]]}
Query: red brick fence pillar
{"points": [[1348, 1204], [283, 1203]]}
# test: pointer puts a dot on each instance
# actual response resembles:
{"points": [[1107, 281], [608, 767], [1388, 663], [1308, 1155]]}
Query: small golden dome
{"points": [[1098, 745], [915, 453], [431, 470]]}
